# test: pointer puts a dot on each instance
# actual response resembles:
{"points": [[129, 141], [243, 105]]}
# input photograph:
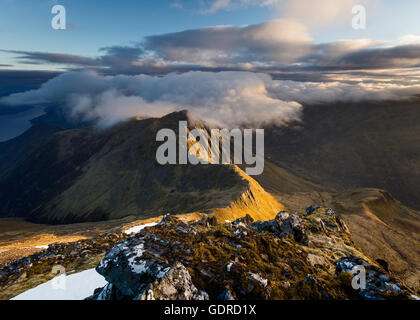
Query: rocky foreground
{"points": [[309, 256], [25, 273]]}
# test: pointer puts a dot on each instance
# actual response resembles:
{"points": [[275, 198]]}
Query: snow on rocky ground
{"points": [[77, 286], [42, 247], [137, 229]]}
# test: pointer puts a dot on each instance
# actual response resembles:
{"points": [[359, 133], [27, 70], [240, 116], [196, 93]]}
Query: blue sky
{"points": [[25, 24]]}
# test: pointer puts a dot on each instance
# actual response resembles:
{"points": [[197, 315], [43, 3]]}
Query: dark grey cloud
{"points": [[360, 54], [120, 56], [377, 58], [123, 51], [33, 57]]}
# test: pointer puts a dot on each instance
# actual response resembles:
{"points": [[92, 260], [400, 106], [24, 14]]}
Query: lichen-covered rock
{"points": [[130, 269], [289, 257], [371, 282], [74, 256], [310, 210], [285, 224], [175, 285], [247, 220]]}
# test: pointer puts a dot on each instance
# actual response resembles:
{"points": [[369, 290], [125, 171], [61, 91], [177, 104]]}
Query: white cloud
{"points": [[176, 5], [316, 12], [330, 92], [224, 98], [313, 13], [280, 41], [217, 5], [409, 39], [274, 45]]}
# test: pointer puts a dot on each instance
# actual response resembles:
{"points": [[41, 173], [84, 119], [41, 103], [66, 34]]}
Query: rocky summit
{"points": [[294, 256]]}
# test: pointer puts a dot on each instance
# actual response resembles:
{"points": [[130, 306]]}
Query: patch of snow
{"points": [[137, 267], [415, 297], [76, 286], [229, 266], [41, 247], [349, 266], [163, 272], [137, 229], [239, 232]]}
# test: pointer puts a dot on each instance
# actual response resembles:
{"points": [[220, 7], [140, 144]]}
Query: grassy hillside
{"points": [[382, 226], [81, 175], [345, 146]]}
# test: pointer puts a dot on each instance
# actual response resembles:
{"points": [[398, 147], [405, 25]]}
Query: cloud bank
{"points": [[279, 45], [226, 99], [277, 41]]}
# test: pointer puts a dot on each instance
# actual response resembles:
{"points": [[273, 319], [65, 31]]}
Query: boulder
{"points": [[375, 284], [129, 270], [246, 220], [283, 225], [175, 285]]}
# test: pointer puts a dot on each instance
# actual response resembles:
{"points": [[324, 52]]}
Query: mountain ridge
{"points": [[92, 175]]}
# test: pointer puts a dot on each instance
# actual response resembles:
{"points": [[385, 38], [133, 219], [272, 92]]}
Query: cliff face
{"points": [[310, 256]]}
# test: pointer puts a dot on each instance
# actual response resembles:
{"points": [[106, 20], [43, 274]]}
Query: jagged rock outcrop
{"points": [[285, 224], [172, 284], [293, 256], [175, 285]]}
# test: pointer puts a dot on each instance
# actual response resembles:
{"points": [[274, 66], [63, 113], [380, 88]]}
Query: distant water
{"points": [[13, 125]]}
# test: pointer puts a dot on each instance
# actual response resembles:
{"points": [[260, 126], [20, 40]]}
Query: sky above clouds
{"points": [[230, 34], [262, 59]]}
